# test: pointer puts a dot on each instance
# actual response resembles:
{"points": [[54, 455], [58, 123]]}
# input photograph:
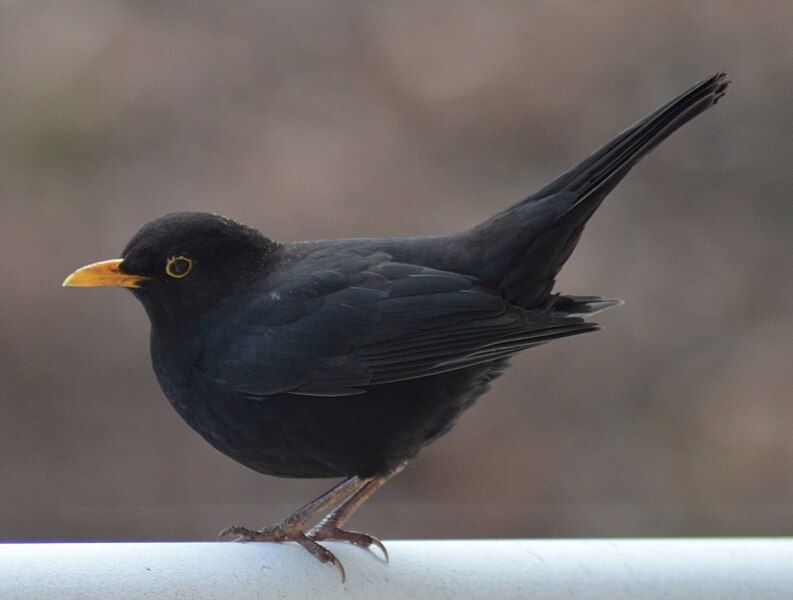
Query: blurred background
{"points": [[314, 119]]}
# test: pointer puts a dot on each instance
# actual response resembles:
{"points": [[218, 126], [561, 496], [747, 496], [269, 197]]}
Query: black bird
{"points": [[343, 358]]}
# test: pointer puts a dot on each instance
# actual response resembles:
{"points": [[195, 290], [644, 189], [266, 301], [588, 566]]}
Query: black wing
{"points": [[334, 332]]}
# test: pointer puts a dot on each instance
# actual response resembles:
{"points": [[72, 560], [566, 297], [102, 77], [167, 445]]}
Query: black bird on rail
{"points": [[343, 358]]}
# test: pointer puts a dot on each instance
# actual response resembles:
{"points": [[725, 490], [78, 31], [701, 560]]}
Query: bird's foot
{"points": [[351, 493], [284, 532], [325, 531]]}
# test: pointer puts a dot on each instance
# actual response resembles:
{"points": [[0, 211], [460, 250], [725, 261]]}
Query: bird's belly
{"points": [[306, 436]]}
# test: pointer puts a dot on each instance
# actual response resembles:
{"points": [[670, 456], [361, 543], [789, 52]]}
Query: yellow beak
{"points": [[103, 273]]}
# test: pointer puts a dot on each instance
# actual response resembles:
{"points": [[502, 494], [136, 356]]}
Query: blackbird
{"points": [[343, 358]]}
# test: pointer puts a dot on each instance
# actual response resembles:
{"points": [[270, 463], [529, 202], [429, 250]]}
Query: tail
{"points": [[523, 248]]}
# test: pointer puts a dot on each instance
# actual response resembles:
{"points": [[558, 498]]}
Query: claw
{"points": [[362, 540], [337, 563], [242, 533], [322, 554], [382, 547]]}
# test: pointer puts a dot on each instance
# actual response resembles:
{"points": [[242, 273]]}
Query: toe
{"points": [[322, 554], [364, 540], [242, 533]]}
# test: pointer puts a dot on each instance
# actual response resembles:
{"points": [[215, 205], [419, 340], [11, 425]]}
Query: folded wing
{"points": [[335, 333]]}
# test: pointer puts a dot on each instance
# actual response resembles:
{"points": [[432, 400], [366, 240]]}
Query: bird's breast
{"points": [[308, 436]]}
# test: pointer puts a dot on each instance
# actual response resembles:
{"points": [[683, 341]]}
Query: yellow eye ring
{"points": [[178, 266]]}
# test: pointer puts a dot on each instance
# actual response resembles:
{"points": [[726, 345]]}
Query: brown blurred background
{"points": [[353, 118]]}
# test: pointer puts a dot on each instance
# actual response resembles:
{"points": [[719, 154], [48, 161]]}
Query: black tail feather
{"points": [[581, 306], [524, 247]]}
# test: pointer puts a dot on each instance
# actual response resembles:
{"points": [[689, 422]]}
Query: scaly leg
{"points": [[330, 527]]}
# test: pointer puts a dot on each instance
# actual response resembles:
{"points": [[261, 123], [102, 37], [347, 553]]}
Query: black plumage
{"points": [[343, 358]]}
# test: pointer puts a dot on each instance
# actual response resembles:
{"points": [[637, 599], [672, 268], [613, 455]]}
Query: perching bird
{"points": [[343, 358]]}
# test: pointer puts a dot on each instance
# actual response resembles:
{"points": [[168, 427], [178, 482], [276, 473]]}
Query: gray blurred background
{"points": [[352, 118]]}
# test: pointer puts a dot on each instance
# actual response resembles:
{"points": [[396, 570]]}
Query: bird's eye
{"points": [[178, 266]]}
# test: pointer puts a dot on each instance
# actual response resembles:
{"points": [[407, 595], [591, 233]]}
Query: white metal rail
{"points": [[638, 569]]}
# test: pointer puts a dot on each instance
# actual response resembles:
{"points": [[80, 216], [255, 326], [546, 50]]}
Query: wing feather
{"points": [[334, 333]]}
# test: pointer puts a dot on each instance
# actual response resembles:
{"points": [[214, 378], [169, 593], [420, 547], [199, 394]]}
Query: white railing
{"points": [[636, 569]]}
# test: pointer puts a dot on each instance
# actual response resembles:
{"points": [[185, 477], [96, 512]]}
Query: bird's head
{"points": [[183, 264]]}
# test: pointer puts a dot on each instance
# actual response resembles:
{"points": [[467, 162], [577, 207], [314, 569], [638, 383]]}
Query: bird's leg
{"points": [[350, 494], [291, 529], [330, 527]]}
